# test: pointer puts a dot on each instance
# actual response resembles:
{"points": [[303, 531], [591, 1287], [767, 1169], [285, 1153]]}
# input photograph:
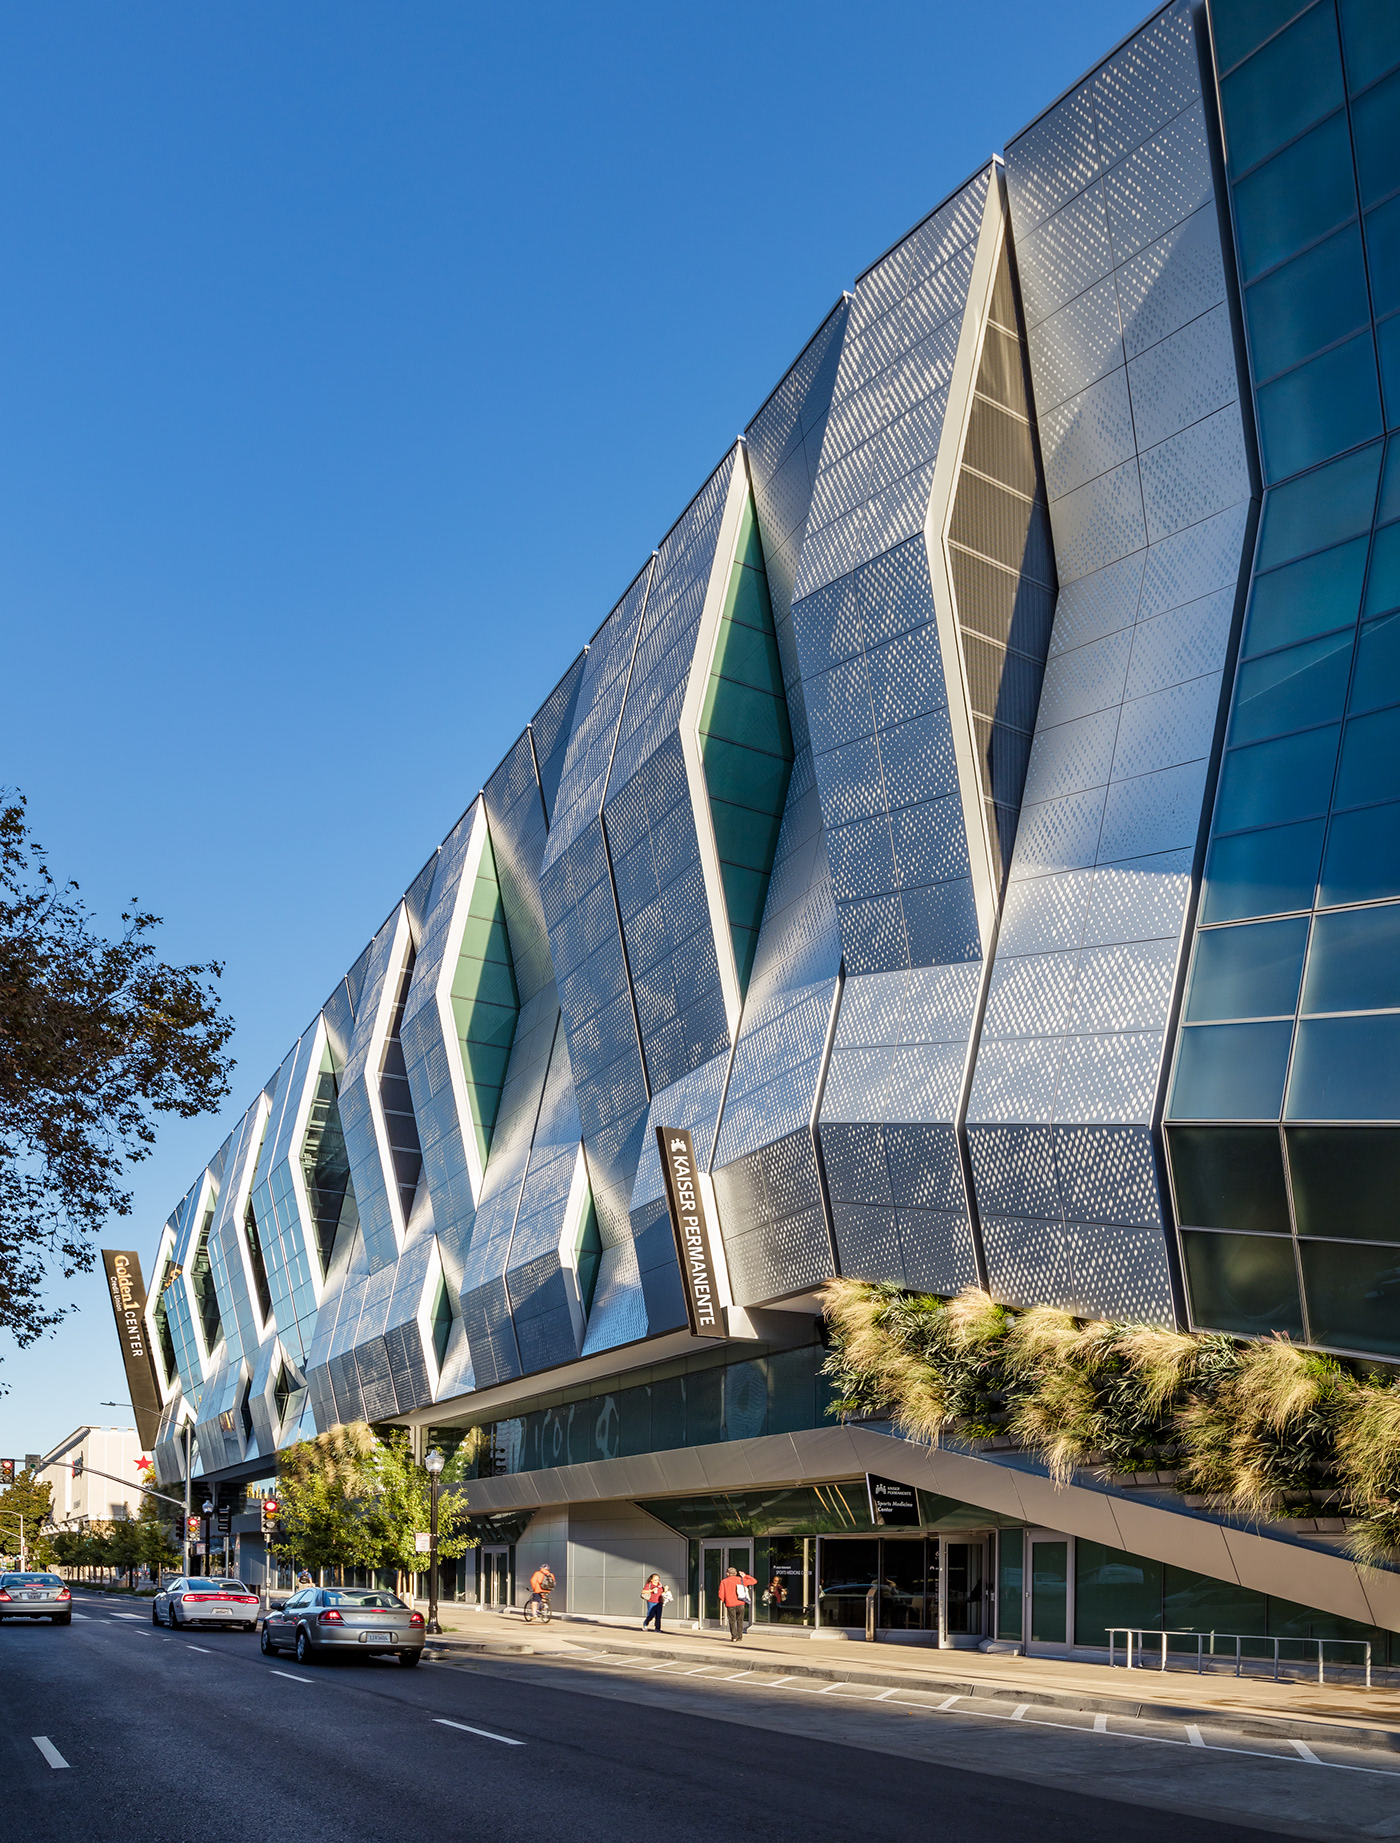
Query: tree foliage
{"points": [[1260, 1428], [29, 1498], [96, 1037], [401, 1505]]}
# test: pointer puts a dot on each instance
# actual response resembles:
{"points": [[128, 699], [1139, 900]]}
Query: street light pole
{"points": [[434, 1462]]}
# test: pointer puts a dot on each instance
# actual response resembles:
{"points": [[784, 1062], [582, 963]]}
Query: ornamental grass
{"points": [[1260, 1428]]}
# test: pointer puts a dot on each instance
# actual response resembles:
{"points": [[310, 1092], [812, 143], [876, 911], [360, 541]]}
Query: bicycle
{"points": [[538, 1615]]}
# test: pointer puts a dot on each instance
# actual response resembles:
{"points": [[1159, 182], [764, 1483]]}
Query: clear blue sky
{"points": [[352, 359]]}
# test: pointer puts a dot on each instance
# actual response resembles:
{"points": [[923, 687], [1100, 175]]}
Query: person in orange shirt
{"points": [[540, 1583], [734, 1598]]}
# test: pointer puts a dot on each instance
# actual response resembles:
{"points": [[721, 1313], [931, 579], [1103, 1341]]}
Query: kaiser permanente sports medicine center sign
{"points": [[691, 1232]]}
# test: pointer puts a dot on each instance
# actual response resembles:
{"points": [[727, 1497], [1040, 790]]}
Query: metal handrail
{"points": [[1240, 1640]]}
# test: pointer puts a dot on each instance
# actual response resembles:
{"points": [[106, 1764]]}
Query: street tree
{"points": [[158, 1546], [324, 1486], [97, 1036], [124, 1547], [400, 1509], [30, 1499]]}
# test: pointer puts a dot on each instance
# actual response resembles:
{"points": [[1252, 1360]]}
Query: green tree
{"points": [[31, 1499], [159, 1545], [323, 1485], [400, 1508], [96, 1036], [124, 1547]]}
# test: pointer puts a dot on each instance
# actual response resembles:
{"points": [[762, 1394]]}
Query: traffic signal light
{"points": [[7, 1471], [271, 1511], [78, 1466], [193, 1527]]}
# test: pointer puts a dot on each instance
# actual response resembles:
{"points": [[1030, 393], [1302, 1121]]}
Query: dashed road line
{"points": [[485, 1733], [1101, 1726], [288, 1675], [1193, 1734], [1306, 1753], [49, 1751], [203, 1650]]}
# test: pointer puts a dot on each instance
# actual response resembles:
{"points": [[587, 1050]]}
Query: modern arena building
{"points": [[973, 839]]}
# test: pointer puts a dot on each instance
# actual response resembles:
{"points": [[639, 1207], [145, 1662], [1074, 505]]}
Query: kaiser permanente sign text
{"points": [[692, 1235]]}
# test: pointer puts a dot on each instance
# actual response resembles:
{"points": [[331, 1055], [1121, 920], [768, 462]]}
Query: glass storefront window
{"points": [[1346, 1181], [1230, 1071], [903, 1598], [849, 1568], [1011, 1549], [1049, 1592], [1246, 1284], [784, 1566], [1262, 873], [1346, 1068], [965, 1563], [1248, 972], [1353, 1296], [1229, 1177], [1113, 1588]]}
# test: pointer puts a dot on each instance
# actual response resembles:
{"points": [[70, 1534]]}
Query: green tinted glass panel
{"points": [[1313, 596], [485, 1000], [1197, 1603], [1230, 1072], [1011, 1562], [1346, 1068], [1247, 972], [1353, 1296], [1262, 873], [1326, 507], [1291, 690], [1354, 962], [1049, 1591], [1113, 1588], [1229, 1177], [1242, 26], [1247, 1284], [1271, 782], [1291, 83], [1346, 1181], [746, 744]]}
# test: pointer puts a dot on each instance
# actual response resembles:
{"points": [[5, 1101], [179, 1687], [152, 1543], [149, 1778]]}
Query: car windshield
{"points": [[340, 1596], [32, 1580]]}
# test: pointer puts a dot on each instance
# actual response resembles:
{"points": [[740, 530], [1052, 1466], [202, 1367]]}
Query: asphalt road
{"points": [[176, 1738]]}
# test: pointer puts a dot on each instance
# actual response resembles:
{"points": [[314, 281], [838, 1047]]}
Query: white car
{"points": [[205, 1600]]}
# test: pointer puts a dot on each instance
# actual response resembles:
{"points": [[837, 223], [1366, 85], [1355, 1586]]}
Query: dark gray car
{"points": [[350, 1620], [35, 1596]]}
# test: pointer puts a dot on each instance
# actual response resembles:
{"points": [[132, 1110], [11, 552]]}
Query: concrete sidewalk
{"points": [[1253, 1705]]}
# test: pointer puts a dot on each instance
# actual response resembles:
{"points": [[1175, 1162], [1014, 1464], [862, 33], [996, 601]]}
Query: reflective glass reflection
{"points": [[1310, 303], [1346, 1181], [1353, 1296], [1321, 408], [1299, 687], [1247, 972], [1247, 1284], [1230, 1071], [1325, 507], [1295, 198], [1376, 680], [1363, 856], [1313, 596], [1370, 767], [1270, 782], [1262, 873], [1229, 1177], [1354, 964], [1292, 82], [1371, 39], [1346, 1068], [1375, 127], [1383, 582]]}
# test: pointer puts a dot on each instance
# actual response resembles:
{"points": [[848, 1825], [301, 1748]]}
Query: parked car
{"points": [[363, 1620], [35, 1596], [205, 1600]]}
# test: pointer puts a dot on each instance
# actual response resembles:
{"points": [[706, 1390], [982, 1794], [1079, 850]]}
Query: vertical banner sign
{"points": [[692, 1234], [128, 1292]]}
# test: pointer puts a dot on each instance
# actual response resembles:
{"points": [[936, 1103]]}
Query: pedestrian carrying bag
{"points": [[742, 1592]]}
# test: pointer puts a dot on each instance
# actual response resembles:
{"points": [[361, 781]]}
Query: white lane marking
{"points": [[1020, 1714], [279, 1673], [884, 1695], [1101, 1724], [830, 1686], [1306, 1753], [734, 1676], [82, 1615], [700, 1670], [946, 1703], [485, 1733], [49, 1751], [203, 1649], [1193, 1734], [123, 1615]]}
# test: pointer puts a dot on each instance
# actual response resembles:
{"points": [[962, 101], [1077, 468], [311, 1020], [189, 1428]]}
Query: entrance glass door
{"points": [[965, 1572], [495, 1576], [716, 1558], [1049, 1592]]}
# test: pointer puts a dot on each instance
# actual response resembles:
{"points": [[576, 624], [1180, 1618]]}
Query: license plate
{"points": [[34, 1596]]}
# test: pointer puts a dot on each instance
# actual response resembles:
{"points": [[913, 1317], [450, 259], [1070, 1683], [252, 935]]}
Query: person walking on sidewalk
{"points": [[734, 1598], [655, 1596]]}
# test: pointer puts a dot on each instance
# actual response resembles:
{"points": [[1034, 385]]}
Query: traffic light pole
{"points": [[185, 1526]]}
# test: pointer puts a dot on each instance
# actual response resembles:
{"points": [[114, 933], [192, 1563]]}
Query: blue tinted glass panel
{"points": [[1363, 856], [1389, 506], [1383, 582], [1354, 963], [1230, 1071], [1383, 255], [1376, 680], [1293, 82], [1262, 873], [1241, 26], [1296, 198], [1329, 506], [1346, 1068], [1251, 971], [1311, 302], [1370, 760], [1247, 1284], [1353, 1296], [1375, 127], [1271, 782], [1314, 596], [1284, 691], [1370, 38], [1328, 405], [1388, 345]]}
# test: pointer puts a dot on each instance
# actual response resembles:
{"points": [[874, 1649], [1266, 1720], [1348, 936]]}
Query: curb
{"points": [[1284, 1727]]}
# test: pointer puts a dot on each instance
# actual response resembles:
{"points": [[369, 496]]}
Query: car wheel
{"points": [[63, 1618], [250, 1628], [305, 1655], [155, 1616], [170, 1614], [268, 1648], [409, 1658]]}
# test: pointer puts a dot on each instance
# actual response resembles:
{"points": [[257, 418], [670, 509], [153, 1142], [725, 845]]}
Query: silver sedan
{"points": [[350, 1620], [205, 1600], [35, 1596]]}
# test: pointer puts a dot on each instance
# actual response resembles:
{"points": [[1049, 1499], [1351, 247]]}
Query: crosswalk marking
{"points": [[49, 1751]]}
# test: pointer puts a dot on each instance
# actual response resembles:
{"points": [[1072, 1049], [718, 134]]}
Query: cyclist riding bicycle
{"points": [[541, 1583]]}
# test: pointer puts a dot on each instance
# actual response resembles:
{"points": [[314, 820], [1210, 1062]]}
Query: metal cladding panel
{"points": [[515, 814], [692, 1102], [619, 1314], [1122, 275], [550, 729], [770, 1206], [353, 1100]]}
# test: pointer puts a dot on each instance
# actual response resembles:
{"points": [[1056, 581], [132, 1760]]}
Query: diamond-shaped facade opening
{"points": [[746, 743], [485, 1001], [441, 1321], [202, 1280], [397, 1101], [588, 1254], [283, 1390], [325, 1164], [165, 1342], [257, 1263]]}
